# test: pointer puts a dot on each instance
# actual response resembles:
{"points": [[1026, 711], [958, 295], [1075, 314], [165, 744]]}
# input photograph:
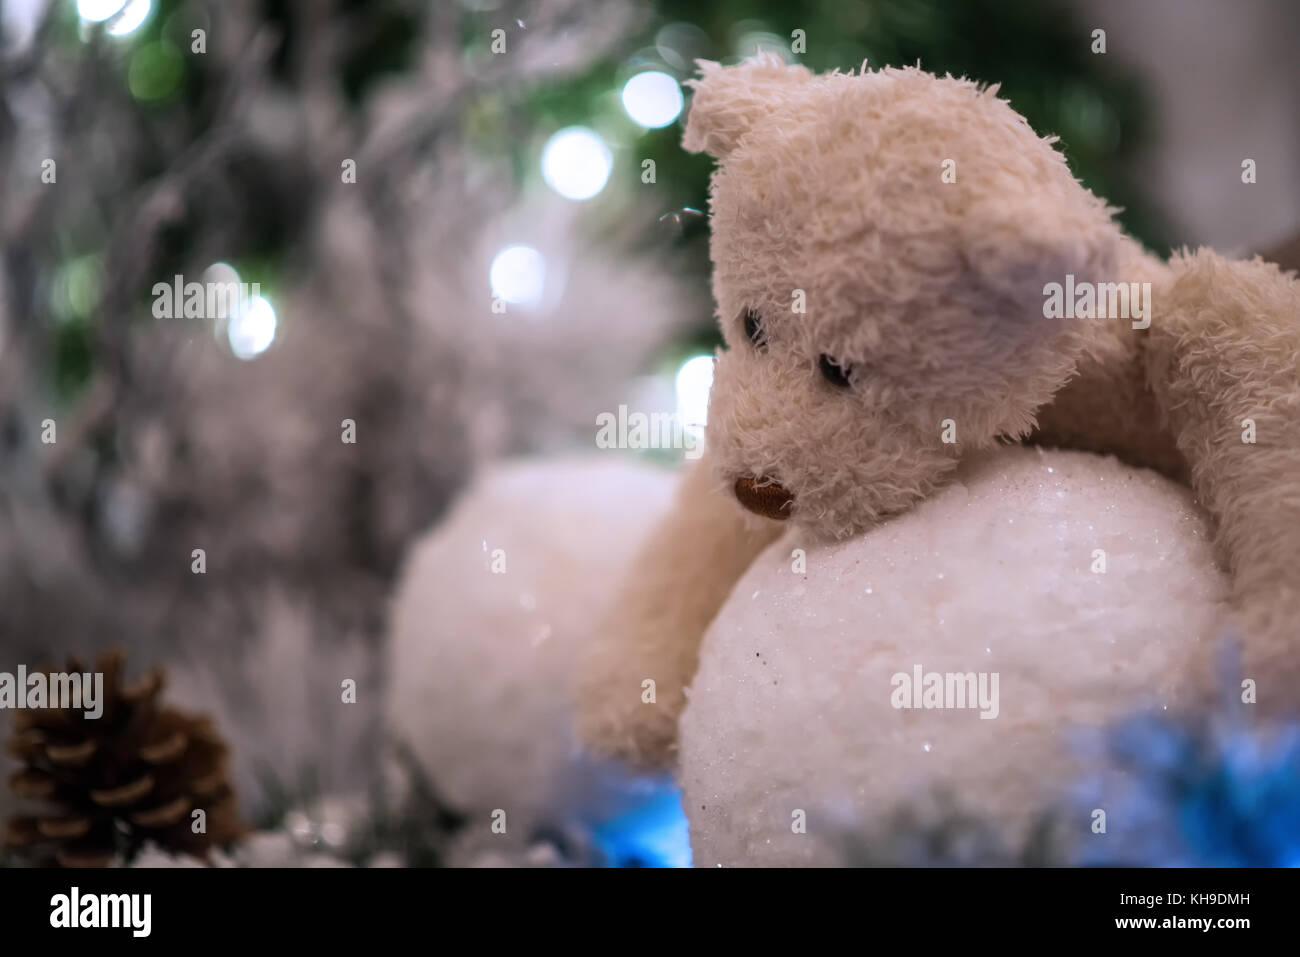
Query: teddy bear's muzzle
{"points": [[764, 497]]}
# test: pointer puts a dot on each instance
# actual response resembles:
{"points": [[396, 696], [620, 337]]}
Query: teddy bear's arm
{"points": [[1108, 408], [680, 579], [1224, 362], [1107, 405]]}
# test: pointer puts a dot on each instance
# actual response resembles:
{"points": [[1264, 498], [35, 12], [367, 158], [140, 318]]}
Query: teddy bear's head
{"points": [[880, 244]]}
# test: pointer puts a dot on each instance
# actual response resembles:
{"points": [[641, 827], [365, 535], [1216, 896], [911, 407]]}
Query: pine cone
{"points": [[135, 774]]}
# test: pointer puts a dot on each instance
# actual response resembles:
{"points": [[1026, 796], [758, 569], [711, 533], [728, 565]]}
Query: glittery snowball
{"points": [[1087, 587], [493, 608]]}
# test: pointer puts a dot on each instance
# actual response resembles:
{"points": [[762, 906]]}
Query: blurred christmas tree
{"points": [[232, 495]]}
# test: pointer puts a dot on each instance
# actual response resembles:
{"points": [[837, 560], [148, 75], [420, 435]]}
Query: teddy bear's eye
{"points": [[754, 329], [834, 373]]}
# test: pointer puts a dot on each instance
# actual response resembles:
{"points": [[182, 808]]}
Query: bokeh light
{"points": [[155, 72], [97, 11], [518, 275], [221, 273], [652, 99], [681, 44], [75, 289], [752, 44], [253, 330], [694, 381], [133, 16], [576, 163]]}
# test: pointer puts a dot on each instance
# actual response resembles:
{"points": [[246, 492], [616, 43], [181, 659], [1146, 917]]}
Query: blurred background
{"points": [[473, 229]]}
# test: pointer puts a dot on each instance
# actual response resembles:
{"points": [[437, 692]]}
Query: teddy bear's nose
{"points": [[764, 497]]}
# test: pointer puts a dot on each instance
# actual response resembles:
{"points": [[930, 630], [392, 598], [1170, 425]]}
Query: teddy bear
{"points": [[890, 250]]}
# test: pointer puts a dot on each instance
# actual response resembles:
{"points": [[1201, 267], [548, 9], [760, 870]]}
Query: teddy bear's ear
{"points": [[1019, 244], [729, 100]]}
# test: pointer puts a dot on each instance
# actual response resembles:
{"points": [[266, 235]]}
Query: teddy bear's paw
{"points": [[627, 722]]}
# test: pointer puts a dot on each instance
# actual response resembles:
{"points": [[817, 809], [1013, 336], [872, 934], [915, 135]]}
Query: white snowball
{"points": [[791, 710], [481, 664]]}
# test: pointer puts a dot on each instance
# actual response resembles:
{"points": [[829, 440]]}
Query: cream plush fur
{"points": [[932, 295]]}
